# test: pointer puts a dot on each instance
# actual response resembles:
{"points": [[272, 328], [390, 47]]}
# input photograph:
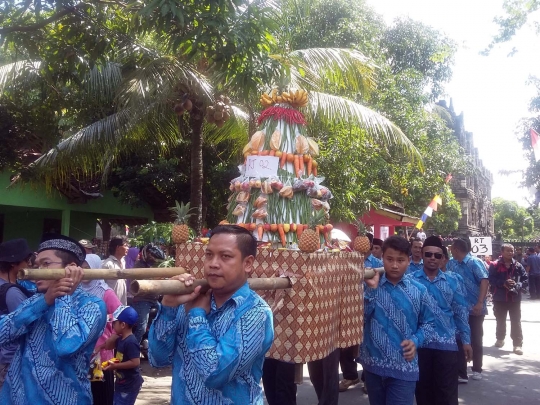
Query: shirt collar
{"points": [[421, 262], [238, 297], [422, 274], [384, 280]]}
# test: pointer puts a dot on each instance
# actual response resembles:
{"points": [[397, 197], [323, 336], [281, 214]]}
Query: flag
{"points": [[423, 217], [438, 199], [428, 211], [433, 205], [419, 224], [535, 144]]}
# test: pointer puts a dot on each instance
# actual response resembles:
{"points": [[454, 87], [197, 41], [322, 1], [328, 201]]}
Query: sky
{"points": [[491, 91]]}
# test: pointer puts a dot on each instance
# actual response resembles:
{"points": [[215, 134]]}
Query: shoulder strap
{"points": [[3, 295]]}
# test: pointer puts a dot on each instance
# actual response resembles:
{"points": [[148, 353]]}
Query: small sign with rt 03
{"points": [[481, 245]]}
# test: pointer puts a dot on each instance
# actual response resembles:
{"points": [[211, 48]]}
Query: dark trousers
{"points": [[501, 310], [278, 382], [476, 323], [324, 375], [103, 391], [438, 383], [349, 367], [534, 286]]}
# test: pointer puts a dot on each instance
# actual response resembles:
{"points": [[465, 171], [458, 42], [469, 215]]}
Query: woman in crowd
{"points": [[102, 392]]}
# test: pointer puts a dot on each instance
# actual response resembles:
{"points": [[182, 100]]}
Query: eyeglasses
{"points": [[437, 255], [45, 265]]}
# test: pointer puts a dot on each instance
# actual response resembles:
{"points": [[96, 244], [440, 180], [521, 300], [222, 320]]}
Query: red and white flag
{"points": [[535, 144]]}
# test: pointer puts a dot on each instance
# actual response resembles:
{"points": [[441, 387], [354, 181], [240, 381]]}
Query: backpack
{"points": [[3, 295]]}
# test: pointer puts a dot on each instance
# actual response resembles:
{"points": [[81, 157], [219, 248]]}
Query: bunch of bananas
{"points": [[297, 99]]}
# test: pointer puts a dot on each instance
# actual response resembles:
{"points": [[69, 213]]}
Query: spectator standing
{"points": [[398, 319], [438, 357], [533, 269], [14, 255], [132, 257], [507, 277], [421, 235], [88, 246], [118, 247], [102, 391], [475, 278], [416, 262], [151, 256]]}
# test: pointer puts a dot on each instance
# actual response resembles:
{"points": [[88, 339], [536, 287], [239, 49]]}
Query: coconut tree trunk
{"points": [[196, 120]]}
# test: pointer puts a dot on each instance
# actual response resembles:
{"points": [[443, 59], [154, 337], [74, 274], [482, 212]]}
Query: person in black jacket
{"points": [[507, 278]]}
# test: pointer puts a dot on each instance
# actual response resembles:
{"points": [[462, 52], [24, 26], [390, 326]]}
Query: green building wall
{"points": [[27, 211]]}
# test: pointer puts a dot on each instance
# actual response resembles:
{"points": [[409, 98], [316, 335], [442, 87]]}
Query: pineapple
{"points": [[180, 231], [361, 242], [309, 242]]}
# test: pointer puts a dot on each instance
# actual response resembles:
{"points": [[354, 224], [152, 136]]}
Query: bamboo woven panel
{"points": [[322, 312]]}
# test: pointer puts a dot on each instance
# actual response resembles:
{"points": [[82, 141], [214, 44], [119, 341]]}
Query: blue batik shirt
{"points": [[51, 365], [373, 262], [473, 271], [414, 267], [451, 312], [217, 358], [392, 314]]}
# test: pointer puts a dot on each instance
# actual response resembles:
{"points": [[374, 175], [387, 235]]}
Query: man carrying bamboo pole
{"points": [[56, 330], [216, 341]]}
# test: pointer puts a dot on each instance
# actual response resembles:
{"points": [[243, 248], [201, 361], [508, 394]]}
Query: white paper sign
{"points": [[480, 245], [261, 166]]}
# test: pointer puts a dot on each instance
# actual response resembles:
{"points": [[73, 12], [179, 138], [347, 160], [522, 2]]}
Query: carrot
{"points": [[255, 153], [265, 153], [296, 166], [272, 153], [282, 235], [283, 160], [273, 227], [260, 230], [309, 166], [301, 165], [299, 230]]}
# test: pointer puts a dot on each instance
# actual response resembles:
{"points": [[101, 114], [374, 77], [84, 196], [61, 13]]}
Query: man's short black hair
{"points": [[65, 257], [445, 252], [416, 240], [461, 245], [397, 243], [5, 267], [115, 242], [247, 244]]}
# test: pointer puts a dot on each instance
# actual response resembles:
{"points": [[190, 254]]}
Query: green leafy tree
{"points": [[511, 220]]}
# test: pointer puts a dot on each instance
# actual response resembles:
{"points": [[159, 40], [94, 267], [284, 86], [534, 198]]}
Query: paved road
{"points": [[508, 378]]}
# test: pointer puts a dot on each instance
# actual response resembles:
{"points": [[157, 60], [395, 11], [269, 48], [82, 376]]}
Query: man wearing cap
{"points": [[14, 255], [216, 341], [88, 246], [438, 357], [56, 331]]}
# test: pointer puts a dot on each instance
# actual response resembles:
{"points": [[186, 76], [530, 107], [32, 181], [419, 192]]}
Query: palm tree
{"points": [[145, 115]]}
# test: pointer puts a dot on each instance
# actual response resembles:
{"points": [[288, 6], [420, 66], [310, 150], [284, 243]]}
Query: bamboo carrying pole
{"points": [[176, 287], [106, 274]]}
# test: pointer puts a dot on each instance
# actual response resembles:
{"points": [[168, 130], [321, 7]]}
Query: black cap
{"points": [[14, 251], [55, 241], [377, 242], [433, 241]]}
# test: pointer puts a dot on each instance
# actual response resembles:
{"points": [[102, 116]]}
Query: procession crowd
{"points": [[423, 323]]}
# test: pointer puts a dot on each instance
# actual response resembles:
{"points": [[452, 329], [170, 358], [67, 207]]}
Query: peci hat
{"points": [[125, 314], [433, 241], [55, 241], [377, 242], [14, 251], [87, 244]]}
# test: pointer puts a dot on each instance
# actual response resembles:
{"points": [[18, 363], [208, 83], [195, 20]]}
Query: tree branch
{"points": [[41, 24]]}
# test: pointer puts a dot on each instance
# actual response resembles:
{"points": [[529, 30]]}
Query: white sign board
{"points": [[261, 166], [480, 245]]}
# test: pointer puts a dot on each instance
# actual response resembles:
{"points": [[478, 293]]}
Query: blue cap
{"points": [[126, 314]]}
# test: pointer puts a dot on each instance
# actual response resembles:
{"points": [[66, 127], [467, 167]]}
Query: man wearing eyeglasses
{"points": [[438, 357], [56, 331]]}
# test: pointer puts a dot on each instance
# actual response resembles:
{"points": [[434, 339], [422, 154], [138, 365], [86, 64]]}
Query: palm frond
{"points": [[332, 108], [102, 82], [235, 131], [15, 70], [335, 69]]}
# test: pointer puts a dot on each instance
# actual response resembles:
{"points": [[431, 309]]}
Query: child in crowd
{"points": [[128, 375], [398, 319]]}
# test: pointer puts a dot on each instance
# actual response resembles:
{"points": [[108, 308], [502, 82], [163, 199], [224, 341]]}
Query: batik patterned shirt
{"points": [[51, 365], [473, 271], [373, 262], [217, 358], [414, 267], [451, 313], [392, 314]]}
